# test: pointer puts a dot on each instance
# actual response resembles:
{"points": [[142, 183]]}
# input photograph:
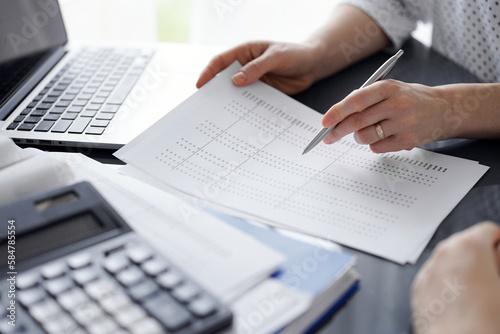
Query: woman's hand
{"points": [[408, 115], [458, 288], [285, 66], [390, 115]]}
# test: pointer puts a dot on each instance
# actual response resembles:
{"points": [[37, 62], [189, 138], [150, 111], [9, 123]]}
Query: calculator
{"points": [[72, 265]]}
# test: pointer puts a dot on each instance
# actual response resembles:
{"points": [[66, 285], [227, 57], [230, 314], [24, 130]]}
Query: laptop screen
{"points": [[30, 30]]}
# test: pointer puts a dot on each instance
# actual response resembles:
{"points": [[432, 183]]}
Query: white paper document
{"points": [[200, 244], [241, 149]]}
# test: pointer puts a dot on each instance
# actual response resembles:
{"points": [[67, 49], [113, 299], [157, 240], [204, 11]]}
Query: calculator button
{"points": [[59, 285], [168, 312], [85, 275], [79, 260], [130, 276], [102, 326], [155, 266], [202, 307], [147, 325], [87, 313], [31, 296], [70, 300], [53, 270], [46, 309], [27, 280], [169, 280], [115, 301], [100, 288], [60, 324], [143, 290], [115, 263], [185, 293], [126, 317], [138, 254]]}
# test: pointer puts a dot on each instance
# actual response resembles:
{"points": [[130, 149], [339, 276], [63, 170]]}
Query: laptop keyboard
{"points": [[86, 93]]}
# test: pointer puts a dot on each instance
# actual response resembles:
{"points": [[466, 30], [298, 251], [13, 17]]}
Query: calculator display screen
{"points": [[55, 235]]}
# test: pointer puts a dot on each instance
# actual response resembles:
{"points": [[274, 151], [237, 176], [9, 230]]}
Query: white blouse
{"points": [[465, 31]]}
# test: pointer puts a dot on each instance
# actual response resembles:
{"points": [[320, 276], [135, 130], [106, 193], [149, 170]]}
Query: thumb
{"points": [[253, 71]]}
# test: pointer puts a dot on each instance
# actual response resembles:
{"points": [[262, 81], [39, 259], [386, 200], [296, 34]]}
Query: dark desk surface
{"points": [[382, 303]]}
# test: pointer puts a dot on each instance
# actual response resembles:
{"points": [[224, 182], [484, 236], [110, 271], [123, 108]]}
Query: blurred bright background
{"points": [[210, 22]]}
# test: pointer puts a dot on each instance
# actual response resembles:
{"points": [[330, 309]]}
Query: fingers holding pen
{"points": [[388, 115], [360, 110]]}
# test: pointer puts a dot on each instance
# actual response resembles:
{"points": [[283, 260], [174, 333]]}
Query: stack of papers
{"points": [[240, 150], [270, 281], [203, 246]]}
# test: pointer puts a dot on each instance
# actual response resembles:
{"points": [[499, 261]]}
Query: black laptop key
{"points": [[98, 100], [12, 126], [93, 106], [73, 90], [63, 104], [50, 99], [122, 90], [26, 126], [32, 119], [79, 125], [101, 123], [61, 87], [68, 97], [32, 104], [55, 93], [39, 112], [74, 109], [44, 126], [80, 103], [38, 97], [85, 96], [92, 130], [70, 116], [19, 118], [90, 91], [167, 311], [62, 125], [26, 111], [105, 116], [51, 117], [44, 106], [56, 110], [111, 108], [103, 93], [88, 113]]}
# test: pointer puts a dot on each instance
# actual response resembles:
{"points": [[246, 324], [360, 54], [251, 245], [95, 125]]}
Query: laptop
{"points": [[53, 93]]}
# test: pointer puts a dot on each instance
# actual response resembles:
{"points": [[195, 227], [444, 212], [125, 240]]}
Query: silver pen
{"points": [[378, 75]]}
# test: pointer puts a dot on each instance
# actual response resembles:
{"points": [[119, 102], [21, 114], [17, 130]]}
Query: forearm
{"points": [[471, 110], [349, 36]]}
